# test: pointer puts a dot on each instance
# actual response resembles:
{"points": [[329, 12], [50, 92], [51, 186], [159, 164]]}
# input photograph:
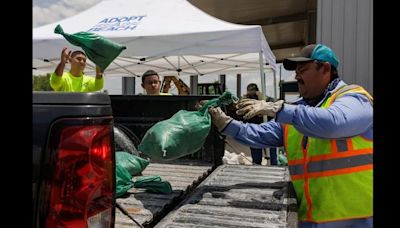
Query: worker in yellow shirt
{"points": [[75, 80]]}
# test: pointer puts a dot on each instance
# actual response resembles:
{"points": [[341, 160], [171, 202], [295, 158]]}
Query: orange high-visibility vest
{"points": [[332, 177]]}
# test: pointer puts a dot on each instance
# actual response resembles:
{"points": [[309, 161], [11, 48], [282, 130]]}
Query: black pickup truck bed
{"points": [[231, 196], [138, 114]]}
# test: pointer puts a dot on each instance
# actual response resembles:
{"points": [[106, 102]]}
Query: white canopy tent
{"points": [[169, 36]]}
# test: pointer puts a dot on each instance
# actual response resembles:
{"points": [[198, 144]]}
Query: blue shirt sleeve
{"points": [[349, 115], [269, 134]]}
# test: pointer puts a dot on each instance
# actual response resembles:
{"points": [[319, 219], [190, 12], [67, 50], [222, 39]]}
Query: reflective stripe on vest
{"points": [[329, 170], [332, 164]]}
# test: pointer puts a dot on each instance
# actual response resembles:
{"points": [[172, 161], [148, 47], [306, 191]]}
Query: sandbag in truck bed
{"points": [[182, 134]]}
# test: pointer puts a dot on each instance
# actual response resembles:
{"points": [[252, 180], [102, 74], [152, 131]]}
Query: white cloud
{"points": [[46, 13]]}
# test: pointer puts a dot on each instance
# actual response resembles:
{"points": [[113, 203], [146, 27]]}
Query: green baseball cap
{"points": [[312, 52]]}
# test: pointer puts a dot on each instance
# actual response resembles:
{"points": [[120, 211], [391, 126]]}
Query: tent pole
{"points": [[238, 85], [262, 75], [194, 79], [128, 85]]}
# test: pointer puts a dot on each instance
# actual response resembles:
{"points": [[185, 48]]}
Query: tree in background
{"points": [[41, 83]]}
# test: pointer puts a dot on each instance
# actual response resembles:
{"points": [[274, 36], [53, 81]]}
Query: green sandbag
{"points": [[282, 160], [153, 184], [123, 180], [132, 163], [182, 134], [98, 49]]}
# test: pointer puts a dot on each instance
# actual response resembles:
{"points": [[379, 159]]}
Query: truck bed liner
{"points": [[147, 208], [238, 196]]}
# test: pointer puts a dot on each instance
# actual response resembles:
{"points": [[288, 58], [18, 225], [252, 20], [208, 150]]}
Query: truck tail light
{"points": [[81, 183]]}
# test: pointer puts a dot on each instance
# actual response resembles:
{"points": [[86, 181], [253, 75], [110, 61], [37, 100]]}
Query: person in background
{"points": [[151, 83], [75, 80], [254, 93], [328, 138], [273, 154]]}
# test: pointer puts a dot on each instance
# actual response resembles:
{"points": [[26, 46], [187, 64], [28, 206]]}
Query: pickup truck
{"points": [[76, 136]]}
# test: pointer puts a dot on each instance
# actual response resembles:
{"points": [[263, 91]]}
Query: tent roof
{"points": [[164, 35]]}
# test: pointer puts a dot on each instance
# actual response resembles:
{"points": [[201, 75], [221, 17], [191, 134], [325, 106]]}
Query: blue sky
{"points": [[49, 11]]}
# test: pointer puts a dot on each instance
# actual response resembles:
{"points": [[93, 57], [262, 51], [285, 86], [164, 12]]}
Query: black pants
{"points": [[256, 155]]}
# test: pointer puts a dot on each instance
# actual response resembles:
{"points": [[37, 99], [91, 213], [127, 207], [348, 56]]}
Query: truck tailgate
{"points": [[238, 196], [147, 208]]}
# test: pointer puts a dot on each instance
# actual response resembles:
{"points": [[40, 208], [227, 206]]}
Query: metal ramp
{"points": [[238, 196]]}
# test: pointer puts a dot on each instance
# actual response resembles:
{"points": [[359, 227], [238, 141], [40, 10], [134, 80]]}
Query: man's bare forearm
{"points": [[60, 69]]}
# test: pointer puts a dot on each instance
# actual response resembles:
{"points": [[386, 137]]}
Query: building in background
{"points": [[344, 25]]}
